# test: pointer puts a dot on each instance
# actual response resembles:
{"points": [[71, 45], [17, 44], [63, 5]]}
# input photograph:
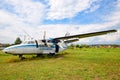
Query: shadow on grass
{"points": [[41, 57]]}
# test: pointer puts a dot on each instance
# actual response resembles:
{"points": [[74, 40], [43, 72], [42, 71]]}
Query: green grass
{"points": [[72, 64]]}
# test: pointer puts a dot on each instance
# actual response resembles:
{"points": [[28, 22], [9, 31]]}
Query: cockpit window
{"points": [[29, 42]]}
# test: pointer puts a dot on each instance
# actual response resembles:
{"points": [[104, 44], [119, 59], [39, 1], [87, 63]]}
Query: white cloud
{"points": [[6, 17], [25, 15], [28, 11], [92, 9], [61, 9], [28, 15], [114, 17]]}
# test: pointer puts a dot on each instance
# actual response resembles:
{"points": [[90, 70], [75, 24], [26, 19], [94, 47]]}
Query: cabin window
{"points": [[42, 45]]}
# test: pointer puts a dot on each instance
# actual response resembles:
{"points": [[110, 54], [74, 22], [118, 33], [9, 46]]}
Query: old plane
{"points": [[48, 46]]}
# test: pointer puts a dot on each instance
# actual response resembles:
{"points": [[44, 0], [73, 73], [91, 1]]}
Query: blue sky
{"points": [[58, 17]]}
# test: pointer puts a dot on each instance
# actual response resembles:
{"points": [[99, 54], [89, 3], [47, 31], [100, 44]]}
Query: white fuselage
{"points": [[32, 48]]}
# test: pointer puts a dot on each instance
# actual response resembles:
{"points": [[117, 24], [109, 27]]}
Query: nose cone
{"points": [[5, 50], [10, 50]]}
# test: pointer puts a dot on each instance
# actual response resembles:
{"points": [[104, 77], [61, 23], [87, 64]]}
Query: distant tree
{"points": [[114, 45], [85, 46], [17, 41], [6, 45], [77, 46]]}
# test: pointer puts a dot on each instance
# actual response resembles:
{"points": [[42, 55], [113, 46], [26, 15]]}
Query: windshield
{"points": [[29, 42]]}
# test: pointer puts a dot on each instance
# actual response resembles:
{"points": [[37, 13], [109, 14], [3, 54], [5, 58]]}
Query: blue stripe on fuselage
{"points": [[30, 45], [21, 46]]}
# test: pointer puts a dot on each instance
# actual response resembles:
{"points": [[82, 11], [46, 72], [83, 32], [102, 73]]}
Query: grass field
{"points": [[72, 64]]}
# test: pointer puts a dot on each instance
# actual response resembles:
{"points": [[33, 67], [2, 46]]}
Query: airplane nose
{"points": [[4, 50]]}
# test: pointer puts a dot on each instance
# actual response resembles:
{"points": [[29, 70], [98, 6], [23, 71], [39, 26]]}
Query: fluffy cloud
{"points": [[6, 17], [16, 15], [61, 9], [114, 17], [28, 15], [27, 11], [92, 8]]}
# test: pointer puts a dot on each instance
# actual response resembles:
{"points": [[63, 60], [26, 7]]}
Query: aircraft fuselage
{"points": [[33, 48]]}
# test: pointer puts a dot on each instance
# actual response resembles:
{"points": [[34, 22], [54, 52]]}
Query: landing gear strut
{"points": [[56, 48], [21, 56]]}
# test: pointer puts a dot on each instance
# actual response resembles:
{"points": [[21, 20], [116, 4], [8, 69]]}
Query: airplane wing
{"points": [[85, 35], [70, 41]]}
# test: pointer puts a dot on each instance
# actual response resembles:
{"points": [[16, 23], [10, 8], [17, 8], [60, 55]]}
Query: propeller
{"points": [[44, 38]]}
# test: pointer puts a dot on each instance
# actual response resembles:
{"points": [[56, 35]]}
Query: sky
{"points": [[19, 18]]}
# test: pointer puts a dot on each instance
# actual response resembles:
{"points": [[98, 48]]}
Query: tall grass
{"points": [[72, 64]]}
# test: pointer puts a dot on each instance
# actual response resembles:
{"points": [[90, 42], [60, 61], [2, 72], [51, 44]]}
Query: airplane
{"points": [[48, 46]]}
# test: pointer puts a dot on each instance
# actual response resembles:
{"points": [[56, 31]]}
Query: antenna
{"points": [[24, 37], [67, 34], [44, 37], [26, 34]]}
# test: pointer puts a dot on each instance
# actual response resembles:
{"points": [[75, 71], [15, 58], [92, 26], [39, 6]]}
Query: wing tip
{"points": [[114, 30]]}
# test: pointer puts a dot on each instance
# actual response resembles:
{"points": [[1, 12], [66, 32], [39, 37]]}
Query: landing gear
{"points": [[21, 56], [39, 55], [51, 54]]}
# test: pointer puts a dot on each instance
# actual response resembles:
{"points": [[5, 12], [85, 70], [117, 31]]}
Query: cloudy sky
{"points": [[58, 17]]}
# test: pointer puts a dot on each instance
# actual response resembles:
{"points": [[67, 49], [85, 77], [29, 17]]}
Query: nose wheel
{"points": [[21, 56]]}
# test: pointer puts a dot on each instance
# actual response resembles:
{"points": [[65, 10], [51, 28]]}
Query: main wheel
{"points": [[51, 54], [21, 56]]}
